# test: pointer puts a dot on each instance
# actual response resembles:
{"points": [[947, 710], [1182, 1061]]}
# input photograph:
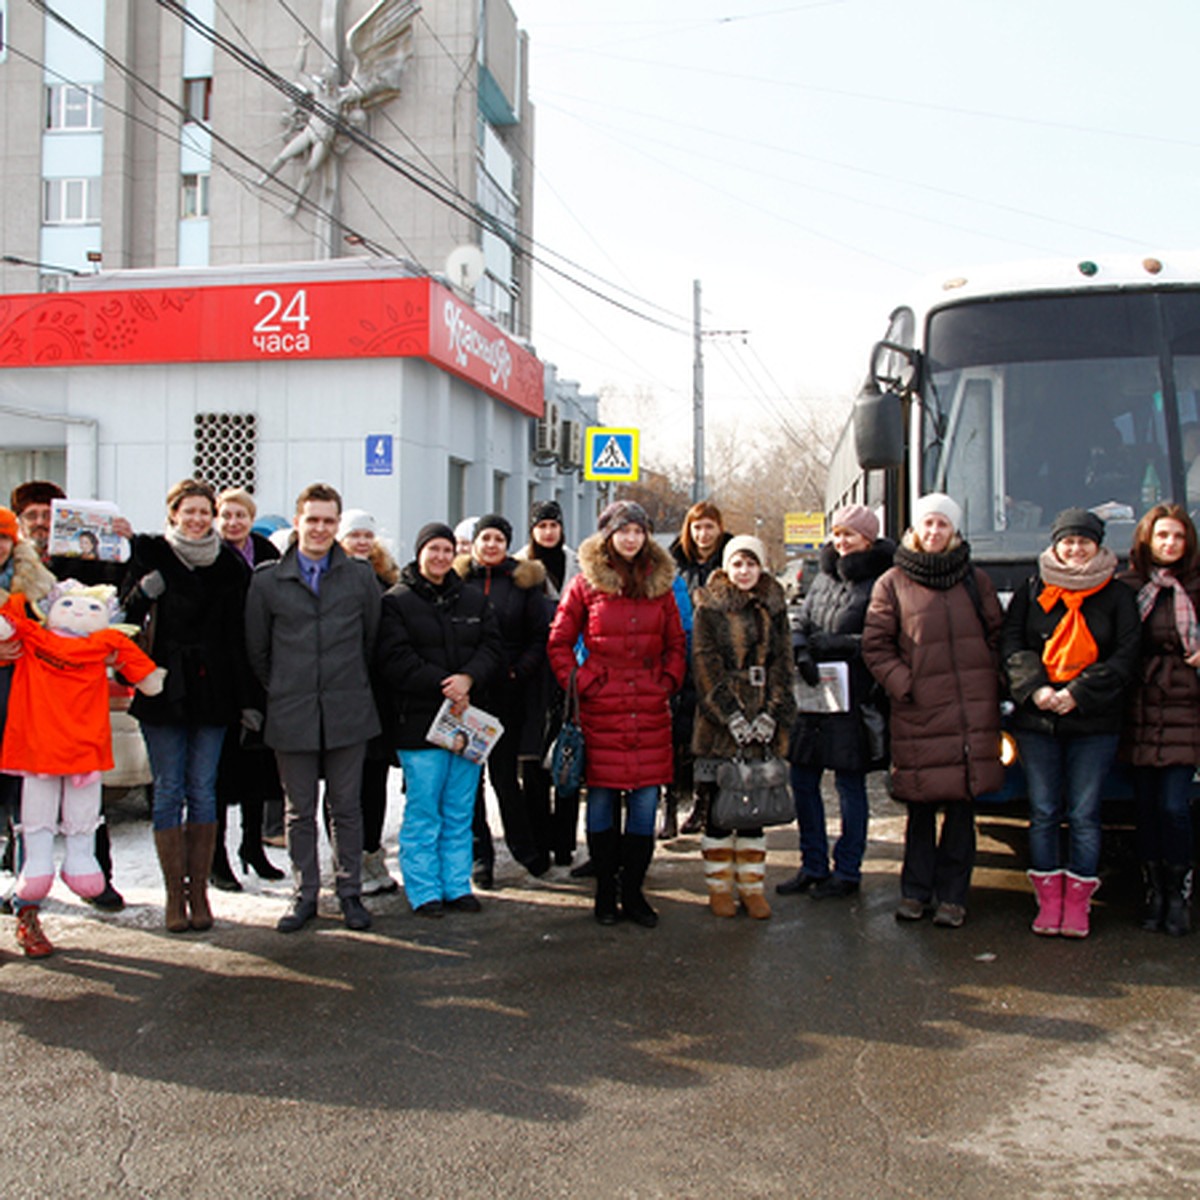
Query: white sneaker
{"points": [[375, 878]]}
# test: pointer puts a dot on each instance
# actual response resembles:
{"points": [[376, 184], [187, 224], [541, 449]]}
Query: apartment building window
{"points": [[71, 201], [193, 200], [73, 108], [197, 99]]}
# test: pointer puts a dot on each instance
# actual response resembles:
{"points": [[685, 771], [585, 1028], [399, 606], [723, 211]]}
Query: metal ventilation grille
{"points": [[225, 450]]}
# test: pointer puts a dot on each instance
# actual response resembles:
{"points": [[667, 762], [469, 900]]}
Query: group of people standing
{"points": [[328, 662]]}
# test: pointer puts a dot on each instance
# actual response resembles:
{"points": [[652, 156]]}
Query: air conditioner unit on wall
{"points": [[549, 430], [572, 444]]}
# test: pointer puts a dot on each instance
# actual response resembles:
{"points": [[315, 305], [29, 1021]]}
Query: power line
{"points": [[306, 102], [883, 176], [316, 40], [118, 65], [421, 179], [892, 101]]}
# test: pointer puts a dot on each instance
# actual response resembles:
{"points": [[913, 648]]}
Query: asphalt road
{"points": [[526, 1051]]}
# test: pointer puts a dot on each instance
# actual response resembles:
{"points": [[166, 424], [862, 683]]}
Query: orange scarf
{"points": [[1071, 646]]}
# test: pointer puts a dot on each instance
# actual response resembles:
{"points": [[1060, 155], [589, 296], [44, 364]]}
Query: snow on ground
{"points": [[137, 877]]}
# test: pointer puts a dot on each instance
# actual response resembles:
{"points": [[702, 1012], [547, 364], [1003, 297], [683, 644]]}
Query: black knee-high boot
{"points": [[221, 874], [636, 852], [109, 900], [604, 848]]}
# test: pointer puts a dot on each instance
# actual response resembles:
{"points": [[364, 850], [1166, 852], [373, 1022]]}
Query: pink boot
{"points": [[1077, 899], [1048, 887]]}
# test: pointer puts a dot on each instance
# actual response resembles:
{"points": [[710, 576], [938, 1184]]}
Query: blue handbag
{"points": [[565, 760]]}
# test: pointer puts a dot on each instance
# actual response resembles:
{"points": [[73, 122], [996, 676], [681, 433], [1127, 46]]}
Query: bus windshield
{"points": [[1038, 403]]}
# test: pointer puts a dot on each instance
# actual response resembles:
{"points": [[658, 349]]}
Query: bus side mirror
{"points": [[878, 429], [894, 368]]}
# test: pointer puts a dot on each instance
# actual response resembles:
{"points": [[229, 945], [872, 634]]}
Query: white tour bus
{"points": [[1026, 389]]}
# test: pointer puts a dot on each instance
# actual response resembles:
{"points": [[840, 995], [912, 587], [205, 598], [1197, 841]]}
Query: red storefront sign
{"points": [[286, 322]]}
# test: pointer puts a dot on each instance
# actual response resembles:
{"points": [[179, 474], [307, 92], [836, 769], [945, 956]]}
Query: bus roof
{"points": [[1105, 273]]}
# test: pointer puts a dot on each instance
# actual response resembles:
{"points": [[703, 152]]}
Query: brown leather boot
{"points": [[169, 844], [201, 840]]}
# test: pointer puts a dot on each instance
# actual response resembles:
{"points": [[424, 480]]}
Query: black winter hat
{"points": [[431, 532], [494, 521], [545, 510], [1077, 522]]}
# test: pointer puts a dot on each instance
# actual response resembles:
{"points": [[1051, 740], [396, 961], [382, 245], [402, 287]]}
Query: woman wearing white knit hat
{"points": [[930, 640]]}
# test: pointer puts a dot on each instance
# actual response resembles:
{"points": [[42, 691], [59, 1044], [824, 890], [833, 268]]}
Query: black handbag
{"points": [[752, 793], [875, 733], [564, 760]]}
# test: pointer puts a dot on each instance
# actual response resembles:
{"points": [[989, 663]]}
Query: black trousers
{"points": [[938, 867], [514, 811]]}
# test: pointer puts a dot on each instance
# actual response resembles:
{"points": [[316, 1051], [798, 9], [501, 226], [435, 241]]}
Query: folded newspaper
{"points": [[472, 733], [830, 694]]}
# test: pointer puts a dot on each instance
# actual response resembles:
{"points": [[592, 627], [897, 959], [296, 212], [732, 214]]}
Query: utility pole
{"points": [[698, 492]]}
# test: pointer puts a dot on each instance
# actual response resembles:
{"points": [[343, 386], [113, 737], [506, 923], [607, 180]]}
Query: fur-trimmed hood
{"points": [[31, 577], [386, 568], [525, 573], [861, 564], [725, 596], [598, 571]]}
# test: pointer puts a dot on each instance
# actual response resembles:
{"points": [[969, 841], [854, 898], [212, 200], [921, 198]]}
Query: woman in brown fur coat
{"points": [[742, 663]]}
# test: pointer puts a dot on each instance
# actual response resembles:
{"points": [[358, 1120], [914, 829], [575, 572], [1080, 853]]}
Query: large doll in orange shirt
{"points": [[58, 735]]}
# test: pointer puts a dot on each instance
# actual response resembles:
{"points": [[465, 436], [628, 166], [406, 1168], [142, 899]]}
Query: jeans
{"points": [[1164, 814], [184, 760], [1065, 775], [435, 835], [604, 805], [849, 849]]}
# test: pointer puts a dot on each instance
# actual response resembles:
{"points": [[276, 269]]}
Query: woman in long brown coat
{"points": [[1162, 732], [929, 639], [742, 663]]}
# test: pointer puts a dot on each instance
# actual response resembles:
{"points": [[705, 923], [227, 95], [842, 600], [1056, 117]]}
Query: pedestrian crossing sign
{"points": [[611, 454]]}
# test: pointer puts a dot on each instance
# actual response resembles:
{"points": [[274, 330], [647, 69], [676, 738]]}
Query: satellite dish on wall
{"points": [[464, 266]]}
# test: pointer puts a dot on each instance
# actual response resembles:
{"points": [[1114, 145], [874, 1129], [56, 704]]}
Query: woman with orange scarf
{"points": [[1070, 648]]}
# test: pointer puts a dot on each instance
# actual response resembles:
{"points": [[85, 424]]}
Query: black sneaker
{"points": [[833, 887], [800, 882], [354, 915], [109, 900], [467, 904], [431, 908], [297, 916]]}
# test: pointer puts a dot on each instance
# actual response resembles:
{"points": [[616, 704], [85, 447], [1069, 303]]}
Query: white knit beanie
{"points": [[746, 543], [938, 502]]}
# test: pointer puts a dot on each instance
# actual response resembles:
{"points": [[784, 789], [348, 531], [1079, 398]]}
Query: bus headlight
{"points": [[1008, 749]]}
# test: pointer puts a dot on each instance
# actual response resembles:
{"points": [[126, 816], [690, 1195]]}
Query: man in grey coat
{"points": [[311, 621]]}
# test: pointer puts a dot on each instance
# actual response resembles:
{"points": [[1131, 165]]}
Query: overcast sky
{"points": [[810, 162]]}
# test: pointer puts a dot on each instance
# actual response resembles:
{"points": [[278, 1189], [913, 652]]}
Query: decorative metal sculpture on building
{"points": [[367, 74]]}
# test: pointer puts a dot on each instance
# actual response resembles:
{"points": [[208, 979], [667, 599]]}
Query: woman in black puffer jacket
{"points": [[1070, 649], [515, 590], [438, 640], [829, 629]]}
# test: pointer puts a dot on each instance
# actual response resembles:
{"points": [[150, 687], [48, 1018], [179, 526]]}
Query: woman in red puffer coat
{"points": [[623, 606]]}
